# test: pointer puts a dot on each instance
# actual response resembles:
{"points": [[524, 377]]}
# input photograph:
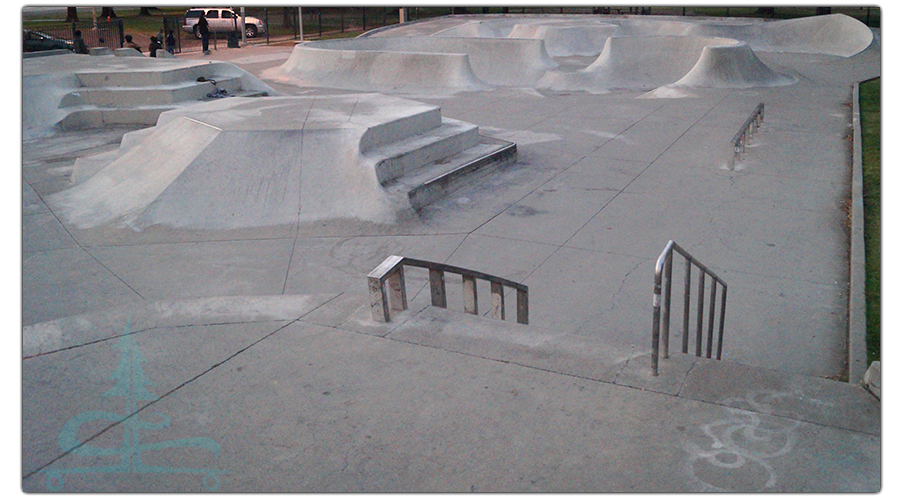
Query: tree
{"points": [[287, 16], [71, 15], [145, 11], [108, 13]]}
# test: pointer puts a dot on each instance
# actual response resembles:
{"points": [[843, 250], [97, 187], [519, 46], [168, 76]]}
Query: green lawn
{"points": [[870, 116]]}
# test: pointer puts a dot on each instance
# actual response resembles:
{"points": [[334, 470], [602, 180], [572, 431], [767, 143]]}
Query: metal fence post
{"points": [[665, 319], [470, 294], [498, 309], [654, 339], [702, 293], [686, 320], [438, 288]]}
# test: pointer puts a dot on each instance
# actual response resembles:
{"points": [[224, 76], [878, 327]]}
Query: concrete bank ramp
{"points": [[416, 64], [649, 62], [834, 34], [254, 162]]}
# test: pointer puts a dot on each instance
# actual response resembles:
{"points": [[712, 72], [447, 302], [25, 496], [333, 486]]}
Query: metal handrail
{"points": [[664, 270], [387, 289], [745, 133]]}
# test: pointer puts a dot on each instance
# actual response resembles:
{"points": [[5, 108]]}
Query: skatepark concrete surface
{"points": [[170, 344]]}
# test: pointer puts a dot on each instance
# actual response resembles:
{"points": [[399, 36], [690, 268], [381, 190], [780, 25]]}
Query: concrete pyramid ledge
{"points": [[249, 162]]}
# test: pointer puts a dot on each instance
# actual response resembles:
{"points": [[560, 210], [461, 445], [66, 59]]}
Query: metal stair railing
{"points": [[661, 325], [745, 133], [387, 289]]}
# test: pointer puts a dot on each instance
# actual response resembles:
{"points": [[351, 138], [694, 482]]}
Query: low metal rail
{"points": [[745, 134], [662, 307], [387, 289]]}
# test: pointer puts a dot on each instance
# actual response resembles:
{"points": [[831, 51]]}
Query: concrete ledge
{"points": [[872, 379], [857, 305], [44, 53]]}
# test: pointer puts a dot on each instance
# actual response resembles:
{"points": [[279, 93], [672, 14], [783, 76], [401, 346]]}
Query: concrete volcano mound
{"points": [[649, 62], [253, 162]]}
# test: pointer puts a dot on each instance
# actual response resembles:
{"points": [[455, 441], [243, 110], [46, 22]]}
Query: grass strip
{"points": [[870, 120]]}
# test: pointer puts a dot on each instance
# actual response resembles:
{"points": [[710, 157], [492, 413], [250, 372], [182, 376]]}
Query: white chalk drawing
{"points": [[742, 444]]}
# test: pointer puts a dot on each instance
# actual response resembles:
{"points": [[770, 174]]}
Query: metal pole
{"points": [[243, 27], [668, 299], [712, 315], [702, 292], [654, 342], [686, 321], [300, 15], [721, 323]]}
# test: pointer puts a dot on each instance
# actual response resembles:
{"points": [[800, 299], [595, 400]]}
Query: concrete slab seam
{"points": [[176, 388]]}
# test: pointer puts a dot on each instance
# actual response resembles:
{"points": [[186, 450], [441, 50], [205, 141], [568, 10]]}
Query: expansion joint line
{"points": [[82, 247], [179, 387], [664, 151], [287, 272]]}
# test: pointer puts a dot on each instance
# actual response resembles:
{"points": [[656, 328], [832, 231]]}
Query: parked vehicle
{"points": [[34, 41], [222, 21]]}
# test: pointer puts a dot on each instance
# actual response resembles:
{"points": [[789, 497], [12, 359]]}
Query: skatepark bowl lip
{"points": [[474, 54]]}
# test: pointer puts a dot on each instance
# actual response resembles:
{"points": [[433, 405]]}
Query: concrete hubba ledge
{"points": [[240, 163]]}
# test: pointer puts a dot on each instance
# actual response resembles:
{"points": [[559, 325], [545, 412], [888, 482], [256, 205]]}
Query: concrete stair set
{"points": [[440, 156], [108, 97]]}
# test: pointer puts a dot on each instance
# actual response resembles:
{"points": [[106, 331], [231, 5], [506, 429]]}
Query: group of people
{"points": [[156, 43]]}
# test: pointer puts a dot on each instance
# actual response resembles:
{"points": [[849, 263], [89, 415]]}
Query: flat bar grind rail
{"points": [[661, 317], [387, 289], [745, 134]]}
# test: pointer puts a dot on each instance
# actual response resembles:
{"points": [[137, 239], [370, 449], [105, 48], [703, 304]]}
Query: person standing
{"points": [[78, 44], [203, 29], [154, 46], [170, 42]]}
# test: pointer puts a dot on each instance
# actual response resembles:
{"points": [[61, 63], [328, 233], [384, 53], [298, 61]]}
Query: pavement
{"points": [[173, 359]]}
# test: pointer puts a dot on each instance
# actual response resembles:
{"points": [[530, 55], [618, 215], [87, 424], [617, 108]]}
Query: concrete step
{"points": [[113, 97], [414, 121], [408, 155], [734, 385], [93, 116], [439, 178], [89, 115], [151, 76]]}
